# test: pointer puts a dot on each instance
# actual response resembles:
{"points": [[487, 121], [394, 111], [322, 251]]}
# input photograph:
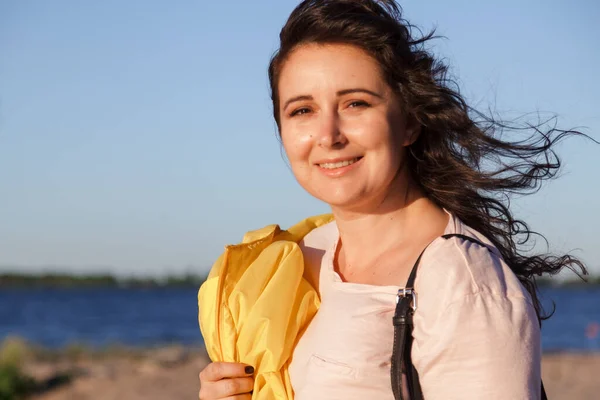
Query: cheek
{"points": [[378, 137], [297, 148], [297, 144], [372, 133]]}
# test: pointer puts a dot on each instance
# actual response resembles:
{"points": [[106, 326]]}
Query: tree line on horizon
{"points": [[14, 279], [65, 280]]}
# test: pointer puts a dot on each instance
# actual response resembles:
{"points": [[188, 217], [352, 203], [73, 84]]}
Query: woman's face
{"points": [[342, 127]]}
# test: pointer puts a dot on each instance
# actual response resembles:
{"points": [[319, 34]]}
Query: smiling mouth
{"points": [[339, 164]]}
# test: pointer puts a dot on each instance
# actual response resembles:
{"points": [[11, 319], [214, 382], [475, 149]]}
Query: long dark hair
{"points": [[462, 160]]}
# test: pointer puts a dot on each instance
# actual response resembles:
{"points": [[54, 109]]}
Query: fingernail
{"points": [[249, 370]]}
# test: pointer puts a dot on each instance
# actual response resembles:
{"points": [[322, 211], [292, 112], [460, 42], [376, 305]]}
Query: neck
{"points": [[402, 218]]}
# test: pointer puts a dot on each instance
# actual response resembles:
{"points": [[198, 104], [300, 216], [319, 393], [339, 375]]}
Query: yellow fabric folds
{"points": [[255, 303]]}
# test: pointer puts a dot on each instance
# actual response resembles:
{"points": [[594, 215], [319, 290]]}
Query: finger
{"points": [[220, 370], [239, 397], [231, 387], [226, 388]]}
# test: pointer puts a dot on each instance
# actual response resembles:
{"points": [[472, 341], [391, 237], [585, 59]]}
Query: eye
{"points": [[300, 111], [358, 103]]}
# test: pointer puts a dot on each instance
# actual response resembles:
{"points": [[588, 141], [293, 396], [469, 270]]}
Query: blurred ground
{"points": [[172, 373], [167, 373], [572, 376]]}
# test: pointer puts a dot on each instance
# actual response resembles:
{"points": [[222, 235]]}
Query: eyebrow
{"points": [[297, 98], [359, 90], [339, 93]]}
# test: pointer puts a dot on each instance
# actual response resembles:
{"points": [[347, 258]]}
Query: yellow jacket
{"points": [[255, 303]]}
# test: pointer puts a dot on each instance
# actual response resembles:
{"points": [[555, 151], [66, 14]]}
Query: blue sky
{"points": [[136, 136]]}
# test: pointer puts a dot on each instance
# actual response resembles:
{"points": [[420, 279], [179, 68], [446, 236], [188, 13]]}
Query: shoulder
{"points": [[314, 246], [456, 267], [321, 238]]}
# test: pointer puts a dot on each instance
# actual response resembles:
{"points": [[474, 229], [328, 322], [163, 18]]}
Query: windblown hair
{"points": [[461, 159]]}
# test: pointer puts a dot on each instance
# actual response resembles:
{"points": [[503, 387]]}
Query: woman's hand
{"points": [[221, 380]]}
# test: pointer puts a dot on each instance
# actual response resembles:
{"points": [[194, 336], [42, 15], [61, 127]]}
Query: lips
{"points": [[337, 163]]}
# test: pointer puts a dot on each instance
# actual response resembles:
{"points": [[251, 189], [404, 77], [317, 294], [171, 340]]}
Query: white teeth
{"points": [[339, 164]]}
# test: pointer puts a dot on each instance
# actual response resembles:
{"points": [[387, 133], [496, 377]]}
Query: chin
{"points": [[347, 199]]}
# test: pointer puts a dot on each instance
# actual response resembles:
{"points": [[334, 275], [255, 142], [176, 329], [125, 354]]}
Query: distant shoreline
{"points": [[69, 280], [571, 282], [64, 280]]}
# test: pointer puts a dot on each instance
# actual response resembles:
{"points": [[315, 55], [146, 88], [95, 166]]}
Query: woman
{"points": [[370, 126]]}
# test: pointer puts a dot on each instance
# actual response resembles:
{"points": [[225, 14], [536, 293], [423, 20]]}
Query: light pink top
{"points": [[476, 334]]}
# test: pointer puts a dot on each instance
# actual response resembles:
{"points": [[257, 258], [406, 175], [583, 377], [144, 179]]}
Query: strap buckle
{"points": [[403, 292]]}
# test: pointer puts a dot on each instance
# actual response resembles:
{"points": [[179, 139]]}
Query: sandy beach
{"points": [[172, 373]]}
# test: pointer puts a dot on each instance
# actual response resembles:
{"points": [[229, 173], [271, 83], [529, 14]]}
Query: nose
{"points": [[330, 134]]}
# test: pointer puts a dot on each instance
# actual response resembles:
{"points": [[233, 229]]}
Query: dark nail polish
{"points": [[249, 370]]}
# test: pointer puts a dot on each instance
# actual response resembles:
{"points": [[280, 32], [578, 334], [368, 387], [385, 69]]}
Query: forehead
{"points": [[314, 67]]}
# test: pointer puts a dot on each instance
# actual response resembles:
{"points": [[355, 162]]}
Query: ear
{"points": [[412, 130]]}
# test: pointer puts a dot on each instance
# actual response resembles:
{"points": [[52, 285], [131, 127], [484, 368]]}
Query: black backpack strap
{"points": [[406, 305]]}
